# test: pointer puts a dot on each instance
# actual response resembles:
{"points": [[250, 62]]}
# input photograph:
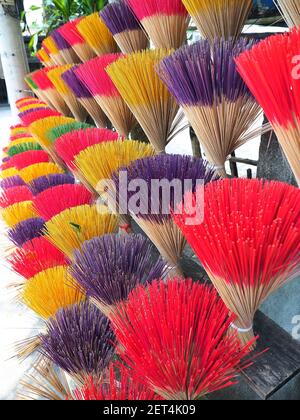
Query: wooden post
{"points": [[12, 53]]}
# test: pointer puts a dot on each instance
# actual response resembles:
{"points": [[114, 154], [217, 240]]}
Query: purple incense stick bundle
{"points": [[26, 231], [204, 80], [152, 211], [45, 182], [12, 182], [108, 268], [125, 27], [84, 96], [65, 48], [79, 340]]}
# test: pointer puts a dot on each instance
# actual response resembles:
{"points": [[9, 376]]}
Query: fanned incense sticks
{"points": [[53, 201], [30, 116], [55, 133], [15, 195], [41, 184], [278, 95], [146, 95], [248, 243], [32, 107], [41, 128], [165, 21], [18, 212], [124, 26], [71, 144], [49, 291], [30, 157], [174, 338], [71, 228], [36, 255], [290, 10], [52, 97], [114, 384], [99, 162], [95, 78], [8, 173], [219, 18], [55, 75], [24, 147], [79, 340], [152, 212], [110, 267], [26, 231], [65, 48], [71, 34], [44, 58], [96, 34], [216, 101], [50, 46], [39, 169], [11, 182], [84, 97]]}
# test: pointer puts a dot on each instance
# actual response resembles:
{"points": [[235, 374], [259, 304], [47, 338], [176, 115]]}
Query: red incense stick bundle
{"points": [[249, 242], [175, 337]]}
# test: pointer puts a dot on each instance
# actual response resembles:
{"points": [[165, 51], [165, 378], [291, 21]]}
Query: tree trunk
{"points": [[13, 57]]}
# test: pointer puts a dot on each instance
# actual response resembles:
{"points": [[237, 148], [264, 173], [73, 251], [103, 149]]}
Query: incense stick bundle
{"points": [[30, 116], [50, 47], [278, 95], [55, 133], [115, 384], [11, 182], [216, 101], [15, 129], [19, 141], [219, 18], [88, 349], [55, 200], [95, 78], [146, 95], [33, 172], [8, 173], [44, 58], [40, 129], [84, 97], [108, 268], [35, 89], [71, 228], [152, 212], [30, 107], [36, 256], [15, 195], [26, 231], [18, 212], [248, 243], [174, 339], [55, 75], [165, 21], [124, 26], [24, 147], [96, 34], [99, 162], [51, 95], [71, 144], [31, 157], [290, 10], [71, 34], [65, 48], [43, 183], [49, 291]]}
